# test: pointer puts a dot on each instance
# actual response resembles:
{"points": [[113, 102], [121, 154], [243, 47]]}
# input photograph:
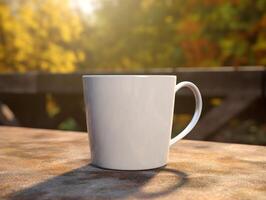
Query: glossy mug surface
{"points": [[129, 119]]}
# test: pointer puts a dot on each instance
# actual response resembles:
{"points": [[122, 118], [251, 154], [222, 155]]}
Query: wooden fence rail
{"points": [[25, 93]]}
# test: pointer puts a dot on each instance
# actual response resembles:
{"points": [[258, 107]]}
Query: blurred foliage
{"points": [[216, 101], [52, 107], [38, 35], [55, 36], [180, 121], [68, 124], [171, 33], [246, 131]]}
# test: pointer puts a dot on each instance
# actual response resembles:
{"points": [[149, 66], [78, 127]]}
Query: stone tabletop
{"points": [[45, 164]]}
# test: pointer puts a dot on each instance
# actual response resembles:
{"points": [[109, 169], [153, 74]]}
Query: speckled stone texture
{"points": [[45, 164]]}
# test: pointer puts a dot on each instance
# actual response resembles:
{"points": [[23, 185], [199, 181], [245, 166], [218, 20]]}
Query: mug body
{"points": [[129, 119]]}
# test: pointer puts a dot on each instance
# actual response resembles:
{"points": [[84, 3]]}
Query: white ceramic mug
{"points": [[129, 119]]}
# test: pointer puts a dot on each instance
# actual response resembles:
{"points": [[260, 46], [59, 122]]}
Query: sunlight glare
{"points": [[86, 6]]}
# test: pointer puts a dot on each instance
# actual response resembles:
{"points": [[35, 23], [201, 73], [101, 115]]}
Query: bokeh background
{"points": [[81, 36]]}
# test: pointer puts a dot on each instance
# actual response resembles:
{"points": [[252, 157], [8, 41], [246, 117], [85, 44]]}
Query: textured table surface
{"points": [[44, 164]]}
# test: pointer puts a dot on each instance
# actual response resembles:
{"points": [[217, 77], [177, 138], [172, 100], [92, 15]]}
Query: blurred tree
{"points": [[38, 35], [171, 33], [52, 35]]}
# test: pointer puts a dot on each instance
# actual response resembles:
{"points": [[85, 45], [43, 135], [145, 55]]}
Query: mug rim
{"points": [[127, 75]]}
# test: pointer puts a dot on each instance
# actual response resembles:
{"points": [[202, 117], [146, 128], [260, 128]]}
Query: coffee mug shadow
{"points": [[89, 182]]}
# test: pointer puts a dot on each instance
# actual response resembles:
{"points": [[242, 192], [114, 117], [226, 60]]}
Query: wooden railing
{"points": [[25, 94]]}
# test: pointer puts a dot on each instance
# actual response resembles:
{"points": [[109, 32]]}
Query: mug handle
{"points": [[197, 112]]}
